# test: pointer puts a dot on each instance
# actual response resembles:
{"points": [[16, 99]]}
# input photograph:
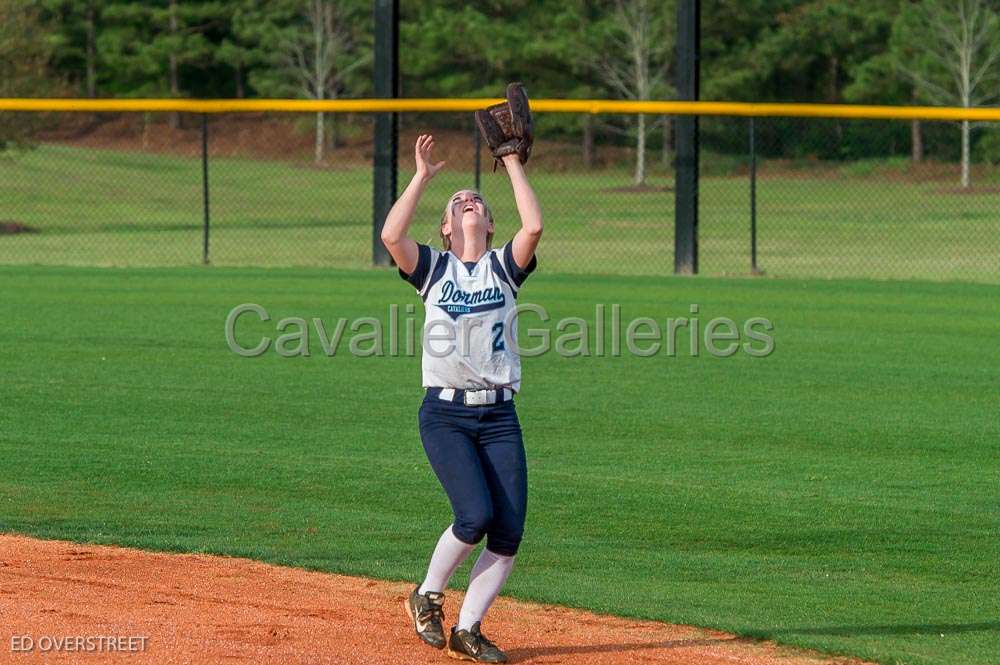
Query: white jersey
{"points": [[468, 309]]}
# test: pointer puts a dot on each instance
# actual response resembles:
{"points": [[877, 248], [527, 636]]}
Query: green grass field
{"points": [[98, 207], [841, 494]]}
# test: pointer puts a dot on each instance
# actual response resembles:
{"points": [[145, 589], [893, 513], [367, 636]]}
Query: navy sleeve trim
{"points": [[419, 274], [516, 272], [501, 273], [439, 269]]}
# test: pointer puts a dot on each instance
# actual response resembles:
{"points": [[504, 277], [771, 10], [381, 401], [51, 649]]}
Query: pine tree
{"points": [[25, 52]]}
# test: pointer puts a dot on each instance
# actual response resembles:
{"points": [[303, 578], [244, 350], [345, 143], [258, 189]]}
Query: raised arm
{"points": [[527, 237], [402, 248]]}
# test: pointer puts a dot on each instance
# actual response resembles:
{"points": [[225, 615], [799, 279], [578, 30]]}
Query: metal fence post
{"points": [[386, 124], [204, 187], [686, 169], [753, 200]]}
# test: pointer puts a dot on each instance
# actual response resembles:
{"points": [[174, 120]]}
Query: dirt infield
{"points": [[201, 609]]}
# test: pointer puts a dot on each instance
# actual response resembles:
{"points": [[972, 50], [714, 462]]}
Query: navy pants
{"points": [[477, 454]]}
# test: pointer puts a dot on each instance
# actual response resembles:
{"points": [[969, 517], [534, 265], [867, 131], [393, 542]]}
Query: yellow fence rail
{"points": [[540, 105]]}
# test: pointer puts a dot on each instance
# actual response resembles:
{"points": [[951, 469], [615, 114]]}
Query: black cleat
{"points": [[426, 611], [473, 645]]}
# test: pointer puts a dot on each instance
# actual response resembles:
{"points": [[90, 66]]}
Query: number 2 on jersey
{"points": [[498, 336]]}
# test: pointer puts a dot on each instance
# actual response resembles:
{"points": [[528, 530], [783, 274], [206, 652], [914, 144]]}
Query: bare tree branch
{"points": [[959, 51]]}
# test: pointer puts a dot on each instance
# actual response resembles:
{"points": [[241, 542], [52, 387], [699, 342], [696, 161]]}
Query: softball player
{"points": [[468, 424]]}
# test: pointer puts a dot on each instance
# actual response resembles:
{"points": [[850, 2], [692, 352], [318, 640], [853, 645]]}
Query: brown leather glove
{"points": [[507, 127]]}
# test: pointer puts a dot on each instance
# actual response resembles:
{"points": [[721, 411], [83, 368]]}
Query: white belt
{"points": [[478, 397]]}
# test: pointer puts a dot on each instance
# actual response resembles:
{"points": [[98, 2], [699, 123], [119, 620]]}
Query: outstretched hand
{"points": [[426, 168]]}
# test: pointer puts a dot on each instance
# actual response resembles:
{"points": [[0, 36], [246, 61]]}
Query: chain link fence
{"points": [[129, 190]]}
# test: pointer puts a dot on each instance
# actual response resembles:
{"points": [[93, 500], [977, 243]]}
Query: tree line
{"points": [[938, 52]]}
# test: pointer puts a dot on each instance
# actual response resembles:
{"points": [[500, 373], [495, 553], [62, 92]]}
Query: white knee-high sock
{"points": [[488, 577], [448, 555]]}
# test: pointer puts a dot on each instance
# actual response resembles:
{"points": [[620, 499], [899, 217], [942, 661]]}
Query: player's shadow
{"points": [[517, 655], [888, 629]]}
